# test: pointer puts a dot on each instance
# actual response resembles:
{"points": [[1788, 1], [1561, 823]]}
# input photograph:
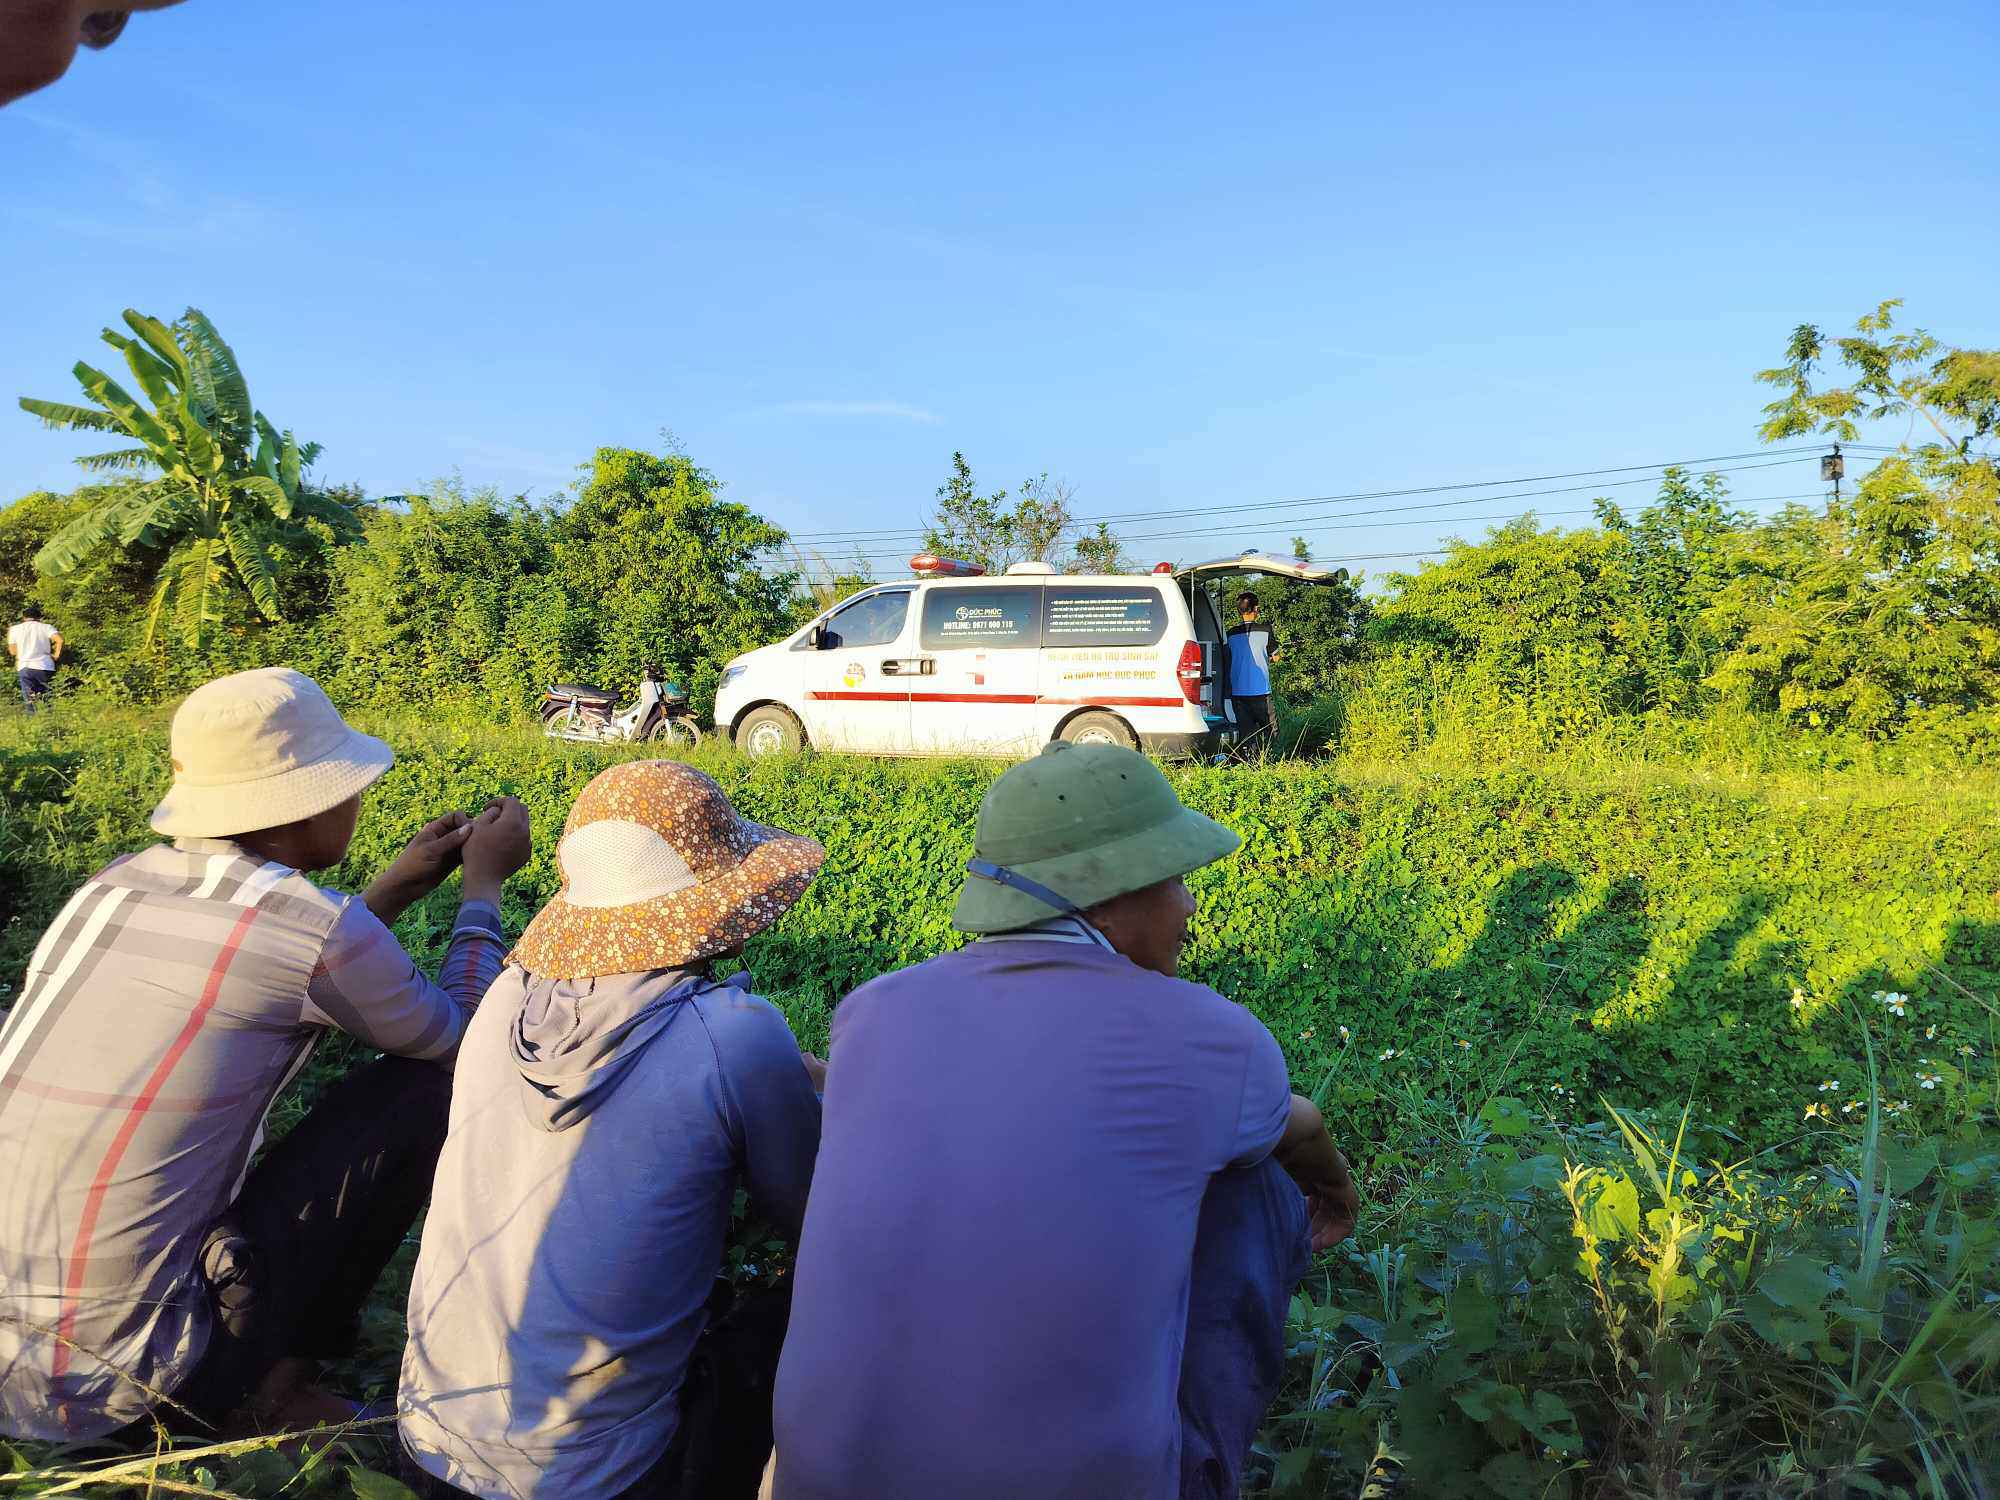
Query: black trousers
{"points": [[291, 1264], [1254, 724], [724, 1438]]}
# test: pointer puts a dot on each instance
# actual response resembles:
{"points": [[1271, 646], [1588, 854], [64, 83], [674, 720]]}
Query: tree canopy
{"points": [[218, 494]]}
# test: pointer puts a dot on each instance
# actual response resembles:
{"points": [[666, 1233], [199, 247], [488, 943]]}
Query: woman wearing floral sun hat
{"points": [[608, 1096]]}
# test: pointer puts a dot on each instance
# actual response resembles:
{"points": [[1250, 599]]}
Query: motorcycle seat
{"points": [[581, 690]]}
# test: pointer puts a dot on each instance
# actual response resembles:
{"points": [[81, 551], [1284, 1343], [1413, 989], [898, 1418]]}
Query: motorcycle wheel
{"points": [[684, 733]]}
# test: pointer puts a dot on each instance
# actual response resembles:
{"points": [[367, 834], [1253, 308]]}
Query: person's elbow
{"points": [[1303, 1125]]}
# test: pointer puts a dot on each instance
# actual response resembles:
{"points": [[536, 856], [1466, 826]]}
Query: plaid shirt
{"points": [[163, 1011]]}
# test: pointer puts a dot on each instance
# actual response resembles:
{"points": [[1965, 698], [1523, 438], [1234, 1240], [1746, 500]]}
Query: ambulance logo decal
{"points": [[855, 674]]}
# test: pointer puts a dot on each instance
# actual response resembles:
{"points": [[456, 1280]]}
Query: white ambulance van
{"points": [[954, 662]]}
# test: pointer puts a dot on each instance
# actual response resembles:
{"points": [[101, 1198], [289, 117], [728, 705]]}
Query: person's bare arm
{"points": [[1306, 1152], [55, 646]]}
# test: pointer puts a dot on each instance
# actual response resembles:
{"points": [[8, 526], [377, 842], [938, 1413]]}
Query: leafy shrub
{"points": [[1460, 967], [1652, 943], [1549, 1309]]}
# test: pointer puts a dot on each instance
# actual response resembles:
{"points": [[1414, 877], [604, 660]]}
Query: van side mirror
{"points": [[816, 638]]}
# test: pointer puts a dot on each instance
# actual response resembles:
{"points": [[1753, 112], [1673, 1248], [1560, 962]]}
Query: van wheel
{"points": [[769, 730], [1097, 728]]}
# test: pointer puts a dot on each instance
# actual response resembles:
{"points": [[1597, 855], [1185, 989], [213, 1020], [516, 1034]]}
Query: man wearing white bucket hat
{"points": [[145, 1268]]}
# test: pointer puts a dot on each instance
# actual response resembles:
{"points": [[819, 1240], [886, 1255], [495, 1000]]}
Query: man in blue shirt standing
{"points": [[1253, 647]]}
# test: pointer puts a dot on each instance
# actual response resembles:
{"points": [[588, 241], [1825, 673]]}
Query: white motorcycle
{"points": [[573, 711]]}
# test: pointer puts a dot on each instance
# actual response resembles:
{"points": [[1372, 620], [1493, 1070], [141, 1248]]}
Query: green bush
{"points": [[1556, 1309], [1461, 967], [1652, 942]]}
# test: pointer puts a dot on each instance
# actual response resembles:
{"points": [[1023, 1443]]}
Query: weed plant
{"points": [[1672, 1091]]}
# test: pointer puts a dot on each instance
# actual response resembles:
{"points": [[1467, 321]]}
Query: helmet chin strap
{"points": [[1014, 880]]}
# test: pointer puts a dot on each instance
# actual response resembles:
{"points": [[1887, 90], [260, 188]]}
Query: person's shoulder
{"points": [[1206, 1006], [738, 1019], [921, 974]]}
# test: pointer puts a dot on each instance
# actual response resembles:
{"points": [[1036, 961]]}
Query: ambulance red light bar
{"points": [[1163, 567], [930, 565]]}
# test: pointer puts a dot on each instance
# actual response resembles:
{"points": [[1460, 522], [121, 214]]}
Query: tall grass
{"points": [[1607, 1296]]}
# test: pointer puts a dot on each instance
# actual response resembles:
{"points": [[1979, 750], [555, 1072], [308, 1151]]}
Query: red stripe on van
{"points": [[974, 698], [1120, 702], [1099, 700]]}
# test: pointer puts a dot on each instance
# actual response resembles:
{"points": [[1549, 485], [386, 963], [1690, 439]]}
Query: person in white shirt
{"points": [[36, 647]]}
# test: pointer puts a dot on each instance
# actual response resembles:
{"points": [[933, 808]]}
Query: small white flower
{"points": [[1968, 1050], [1850, 1106], [1898, 1004], [1829, 1086], [1387, 1053], [1464, 1045], [1816, 1109], [1929, 1080], [1306, 1035], [1798, 998], [1346, 1035], [1930, 1033], [1900, 1107]]}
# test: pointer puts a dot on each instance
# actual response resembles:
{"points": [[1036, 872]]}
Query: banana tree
{"points": [[218, 487]]}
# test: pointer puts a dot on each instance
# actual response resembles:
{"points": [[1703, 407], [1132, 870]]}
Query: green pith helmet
{"points": [[1079, 824]]}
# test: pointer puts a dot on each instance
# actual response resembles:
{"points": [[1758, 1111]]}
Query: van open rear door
{"points": [[1211, 617], [1302, 568]]}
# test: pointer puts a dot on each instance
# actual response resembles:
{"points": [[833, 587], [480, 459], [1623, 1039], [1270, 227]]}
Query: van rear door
{"points": [[1302, 568], [1199, 580]]}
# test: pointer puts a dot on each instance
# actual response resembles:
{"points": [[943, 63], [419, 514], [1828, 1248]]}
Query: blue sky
{"points": [[1179, 256]]}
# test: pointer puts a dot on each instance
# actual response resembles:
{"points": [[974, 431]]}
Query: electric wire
{"points": [[1270, 525], [1780, 455]]}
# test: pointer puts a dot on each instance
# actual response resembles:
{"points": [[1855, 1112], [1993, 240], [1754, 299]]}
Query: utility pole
{"points": [[1833, 466]]}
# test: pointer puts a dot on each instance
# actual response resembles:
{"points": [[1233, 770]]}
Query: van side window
{"points": [[874, 621], [983, 618], [1117, 615]]}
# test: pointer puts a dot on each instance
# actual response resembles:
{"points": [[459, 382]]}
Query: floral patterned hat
{"points": [[660, 872]]}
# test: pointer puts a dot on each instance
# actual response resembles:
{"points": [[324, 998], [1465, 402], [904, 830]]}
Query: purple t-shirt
{"points": [[993, 1277]]}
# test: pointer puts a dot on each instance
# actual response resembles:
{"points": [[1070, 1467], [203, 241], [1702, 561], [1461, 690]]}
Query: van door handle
{"points": [[909, 666]]}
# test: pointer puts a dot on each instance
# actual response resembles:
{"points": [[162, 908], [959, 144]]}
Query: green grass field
{"points": [[1569, 1016]]}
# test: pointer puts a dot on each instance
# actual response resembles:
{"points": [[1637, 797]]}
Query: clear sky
{"points": [[1181, 256]]}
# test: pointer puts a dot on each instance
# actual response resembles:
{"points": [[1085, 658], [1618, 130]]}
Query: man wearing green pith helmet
{"points": [[1062, 1196]]}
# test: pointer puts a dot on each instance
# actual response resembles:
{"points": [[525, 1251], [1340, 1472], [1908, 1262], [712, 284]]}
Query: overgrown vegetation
{"points": [[1635, 912], [1864, 631], [1472, 971]]}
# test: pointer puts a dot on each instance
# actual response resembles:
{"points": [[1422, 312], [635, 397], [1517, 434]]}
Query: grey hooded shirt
{"points": [[599, 1129]]}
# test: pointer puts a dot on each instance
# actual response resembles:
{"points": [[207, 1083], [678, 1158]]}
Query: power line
{"points": [[890, 540], [1781, 455], [895, 559]]}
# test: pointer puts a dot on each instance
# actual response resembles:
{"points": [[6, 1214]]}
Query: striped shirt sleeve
{"points": [[366, 984]]}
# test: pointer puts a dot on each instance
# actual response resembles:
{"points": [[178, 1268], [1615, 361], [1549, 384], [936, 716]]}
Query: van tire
{"points": [[1099, 728], [769, 730]]}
